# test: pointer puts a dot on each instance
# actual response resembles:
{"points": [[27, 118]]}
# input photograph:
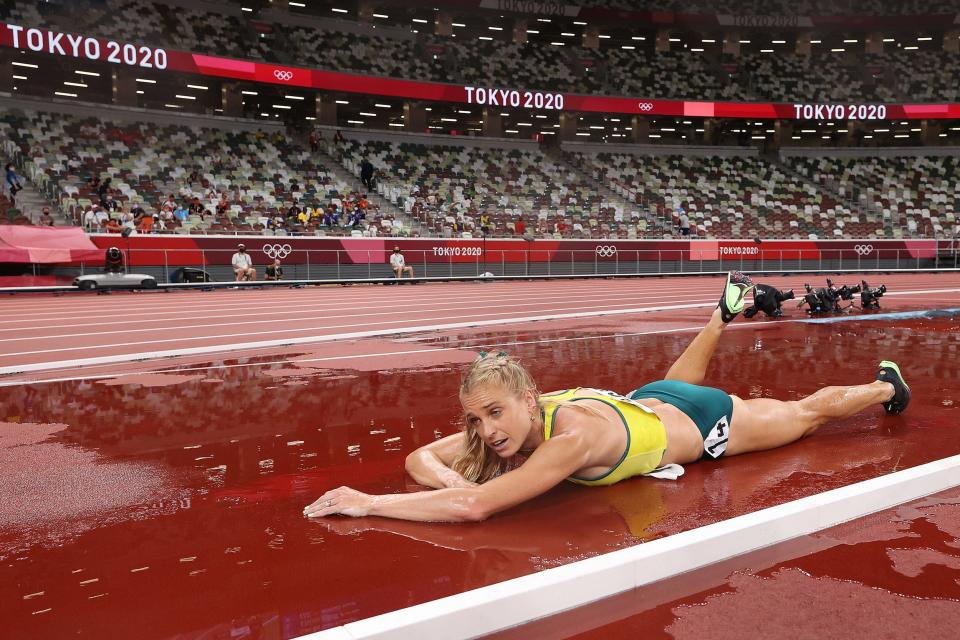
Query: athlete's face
{"points": [[501, 418]]}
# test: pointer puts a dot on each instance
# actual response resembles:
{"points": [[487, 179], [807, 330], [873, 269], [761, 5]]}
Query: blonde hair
{"points": [[477, 463]]}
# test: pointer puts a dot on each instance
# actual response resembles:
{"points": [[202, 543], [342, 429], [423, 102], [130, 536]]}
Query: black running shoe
{"points": [[734, 295], [890, 372]]}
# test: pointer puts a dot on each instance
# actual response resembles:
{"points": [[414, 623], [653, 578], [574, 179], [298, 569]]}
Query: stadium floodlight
{"points": [[778, 42], [881, 130], [669, 129], [20, 78], [177, 106], [307, 118], [382, 16], [889, 39], [794, 137], [25, 64], [943, 135], [540, 116], [245, 9], [197, 86], [458, 24], [484, 38], [838, 50], [281, 106], [674, 39], [184, 97], [557, 44], [139, 92], [912, 48], [342, 101], [530, 124], [143, 80], [544, 20], [93, 74], [419, 21], [288, 97], [533, 31], [708, 41], [64, 94], [381, 105], [868, 137], [395, 124], [766, 50], [744, 42], [924, 39], [567, 34], [605, 37], [653, 135], [695, 50], [469, 113], [335, 10], [296, 4], [808, 130], [759, 137], [448, 119], [582, 134], [354, 121], [504, 114], [70, 84], [816, 42], [638, 38], [249, 93], [851, 41], [901, 135], [495, 28], [628, 47], [365, 113]]}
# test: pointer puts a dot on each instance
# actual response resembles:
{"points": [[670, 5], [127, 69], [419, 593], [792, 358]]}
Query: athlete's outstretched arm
{"points": [[552, 461], [431, 465]]}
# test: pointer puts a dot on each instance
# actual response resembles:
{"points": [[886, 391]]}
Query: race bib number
{"points": [[716, 441]]}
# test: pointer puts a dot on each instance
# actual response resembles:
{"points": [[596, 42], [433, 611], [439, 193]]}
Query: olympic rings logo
{"points": [[275, 251], [606, 251], [279, 74], [645, 106], [863, 249]]}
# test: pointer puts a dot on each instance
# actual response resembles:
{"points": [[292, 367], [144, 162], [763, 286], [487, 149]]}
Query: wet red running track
{"points": [[165, 501]]}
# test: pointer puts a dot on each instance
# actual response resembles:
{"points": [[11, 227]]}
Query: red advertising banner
{"points": [[88, 48]]}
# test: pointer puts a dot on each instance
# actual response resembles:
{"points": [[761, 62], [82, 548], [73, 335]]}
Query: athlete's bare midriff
{"points": [[684, 442]]}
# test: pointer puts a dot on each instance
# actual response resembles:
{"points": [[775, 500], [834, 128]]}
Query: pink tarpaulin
{"points": [[45, 245]]}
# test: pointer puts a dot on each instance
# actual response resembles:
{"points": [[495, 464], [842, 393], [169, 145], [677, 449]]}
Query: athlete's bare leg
{"points": [[691, 366], [763, 423]]}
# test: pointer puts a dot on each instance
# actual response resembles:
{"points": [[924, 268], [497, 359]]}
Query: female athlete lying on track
{"points": [[518, 443]]}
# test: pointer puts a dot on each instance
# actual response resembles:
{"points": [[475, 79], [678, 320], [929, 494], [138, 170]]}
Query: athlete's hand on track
{"points": [[344, 500]]}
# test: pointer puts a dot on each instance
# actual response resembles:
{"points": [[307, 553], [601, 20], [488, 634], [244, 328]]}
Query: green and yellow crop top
{"points": [[646, 436]]}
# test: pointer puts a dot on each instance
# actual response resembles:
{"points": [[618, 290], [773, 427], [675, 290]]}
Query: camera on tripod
{"points": [[870, 298], [769, 300]]}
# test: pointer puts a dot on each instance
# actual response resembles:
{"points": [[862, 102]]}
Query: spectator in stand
{"points": [[366, 173], [196, 207], [169, 202], [46, 220], [273, 271], [194, 177], [112, 204], [562, 226], [101, 216], [223, 205], [398, 264], [181, 214], [303, 217], [681, 214], [113, 226], [104, 192], [260, 135], [684, 223], [127, 220], [338, 138], [93, 183], [146, 224], [485, 227], [13, 183], [243, 264], [520, 226], [89, 218], [314, 140]]}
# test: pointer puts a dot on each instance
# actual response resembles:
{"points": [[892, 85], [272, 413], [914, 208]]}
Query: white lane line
{"points": [[126, 357], [511, 603]]}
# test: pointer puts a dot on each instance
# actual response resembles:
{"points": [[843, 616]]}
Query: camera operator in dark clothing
{"points": [[273, 271], [366, 173]]}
